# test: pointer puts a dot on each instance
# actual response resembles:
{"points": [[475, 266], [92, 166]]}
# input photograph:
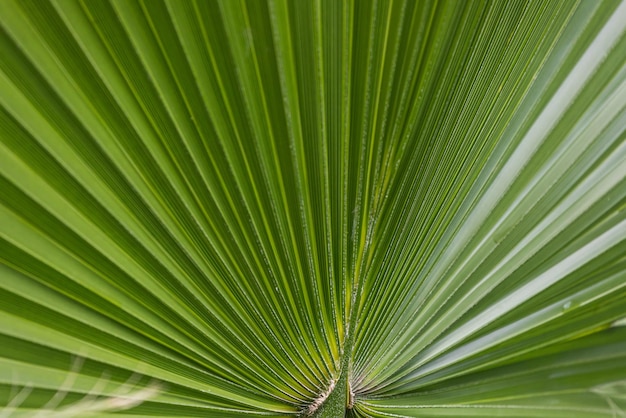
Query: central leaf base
{"points": [[336, 403]]}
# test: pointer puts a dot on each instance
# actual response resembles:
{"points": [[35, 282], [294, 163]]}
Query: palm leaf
{"points": [[376, 208]]}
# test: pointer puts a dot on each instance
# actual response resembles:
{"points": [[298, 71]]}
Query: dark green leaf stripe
{"points": [[379, 208]]}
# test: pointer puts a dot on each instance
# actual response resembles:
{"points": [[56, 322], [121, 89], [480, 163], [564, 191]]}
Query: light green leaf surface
{"points": [[326, 208]]}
